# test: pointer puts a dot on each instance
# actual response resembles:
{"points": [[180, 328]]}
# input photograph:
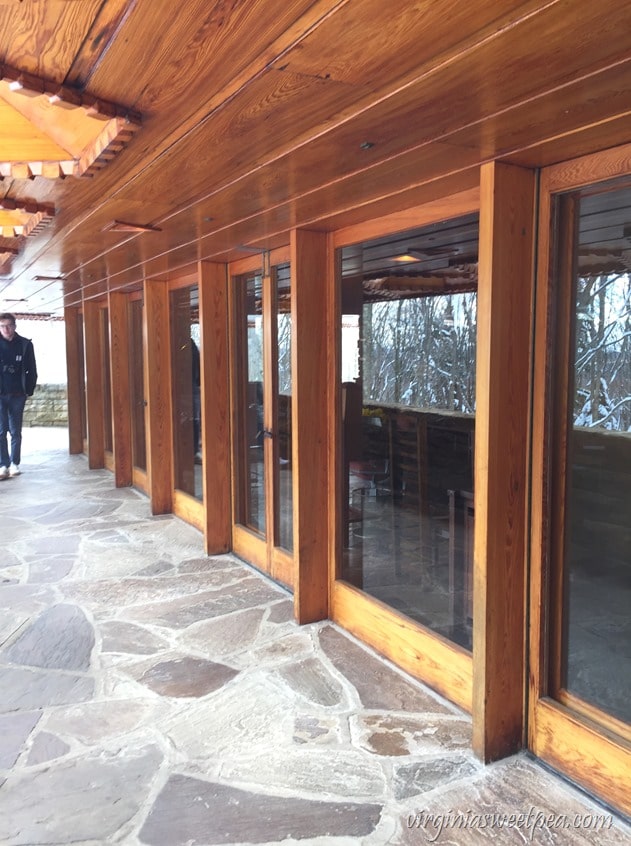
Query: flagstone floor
{"points": [[150, 694]]}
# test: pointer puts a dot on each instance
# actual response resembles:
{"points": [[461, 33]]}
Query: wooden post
{"points": [[121, 395], [159, 424], [309, 268], [94, 384], [74, 367], [215, 405], [502, 412]]}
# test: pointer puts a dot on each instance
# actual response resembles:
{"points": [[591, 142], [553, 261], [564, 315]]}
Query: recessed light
{"points": [[124, 226]]}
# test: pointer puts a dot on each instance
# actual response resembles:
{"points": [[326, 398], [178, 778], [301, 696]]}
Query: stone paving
{"points": [[152, 695]]}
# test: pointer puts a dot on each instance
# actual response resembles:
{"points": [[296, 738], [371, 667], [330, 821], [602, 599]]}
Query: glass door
{"points": [[263, 530], [581, 590], [137, 391], [408, 333], [106, 377], [186, 390]]}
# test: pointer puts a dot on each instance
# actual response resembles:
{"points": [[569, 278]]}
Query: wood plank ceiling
{"points": [[258, 116]]}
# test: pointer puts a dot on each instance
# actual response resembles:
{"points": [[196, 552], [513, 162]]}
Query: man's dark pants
{"points": [[11, 413]]}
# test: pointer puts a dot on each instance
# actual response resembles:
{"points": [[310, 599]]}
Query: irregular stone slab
{"points": [[76, 510], [378, 686], [124, 637], [80, 799], [291, 646], [14, 730], [315, 771], [282, 612], [189, 812], [9, 559], [138, 591], [102, 568], [193, 677], [52, 569], [66, 543], [46, 747], [232, 633], [92, 722], [61, 638], [208, 730], [420, 777], [320, 730], [510, 802], [180, 613], [157, 569], [212, 563], [311, 680], [22, 689], [393, 735]]}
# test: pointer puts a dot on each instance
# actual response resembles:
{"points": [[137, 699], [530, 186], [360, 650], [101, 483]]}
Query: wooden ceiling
{"points": [[258, 116]]}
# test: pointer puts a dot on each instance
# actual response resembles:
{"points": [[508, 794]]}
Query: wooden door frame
{"points": [[571, 741], [139, 477], [429, 657], [263, 553], [184, 505]]}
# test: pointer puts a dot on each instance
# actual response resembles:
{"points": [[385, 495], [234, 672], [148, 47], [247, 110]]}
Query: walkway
{"points": [[152, 695]]}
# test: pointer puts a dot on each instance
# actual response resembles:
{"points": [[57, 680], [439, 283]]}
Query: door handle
{"points": [[267, 433]]}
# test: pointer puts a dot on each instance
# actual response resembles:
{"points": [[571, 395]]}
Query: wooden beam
{"points": [[94, 385], [309, 267], [503, 361], [74, 368], [121, 393], [159, 426], [215, 404]]}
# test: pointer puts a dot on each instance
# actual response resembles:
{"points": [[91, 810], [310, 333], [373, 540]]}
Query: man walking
{"points": [[18, 377]]}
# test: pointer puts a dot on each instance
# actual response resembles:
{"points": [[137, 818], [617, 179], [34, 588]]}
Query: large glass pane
{"points": [[136, 382], [83, 404], [107, 380], [408, 336], [284, 506], [185, 358], [596, 601], [250, 453]]}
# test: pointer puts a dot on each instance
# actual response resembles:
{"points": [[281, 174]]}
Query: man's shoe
{"points": [[14, 470], [4, 473]]}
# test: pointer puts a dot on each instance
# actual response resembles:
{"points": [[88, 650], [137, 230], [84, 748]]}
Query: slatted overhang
{"points": [[258, 117]]}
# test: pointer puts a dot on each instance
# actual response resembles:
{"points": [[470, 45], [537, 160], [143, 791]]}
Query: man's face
{"points": [[7, 329]]}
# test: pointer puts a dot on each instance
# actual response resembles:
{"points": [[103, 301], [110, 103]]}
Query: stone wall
{"points": [[47, 407]]}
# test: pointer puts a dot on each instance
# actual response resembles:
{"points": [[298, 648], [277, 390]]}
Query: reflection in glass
{"points": [[596, 634], [136, 382], [284, 506], [186, 388], [107, 379], [250, 456], [408, 337], [83, 404]]}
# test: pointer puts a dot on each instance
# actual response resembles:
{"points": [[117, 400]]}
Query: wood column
{"points": [[121, 394], [74, 368], [94, 385], [309, 267], [159, 425], [215, 405], [505, 289]]}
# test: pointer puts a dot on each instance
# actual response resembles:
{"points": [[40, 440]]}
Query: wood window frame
{"points": [[565, 733], [429, 657], [184, 505]]}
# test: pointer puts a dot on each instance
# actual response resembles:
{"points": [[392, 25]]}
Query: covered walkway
{"points": [[152, 695]]}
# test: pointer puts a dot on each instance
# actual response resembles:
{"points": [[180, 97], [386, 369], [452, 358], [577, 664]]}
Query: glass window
{"points": [[186, 387], [408, 340], [593, 426]]}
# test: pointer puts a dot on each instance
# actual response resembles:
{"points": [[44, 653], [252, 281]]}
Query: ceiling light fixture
{"points": [[124, 226], [406, 257]]}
